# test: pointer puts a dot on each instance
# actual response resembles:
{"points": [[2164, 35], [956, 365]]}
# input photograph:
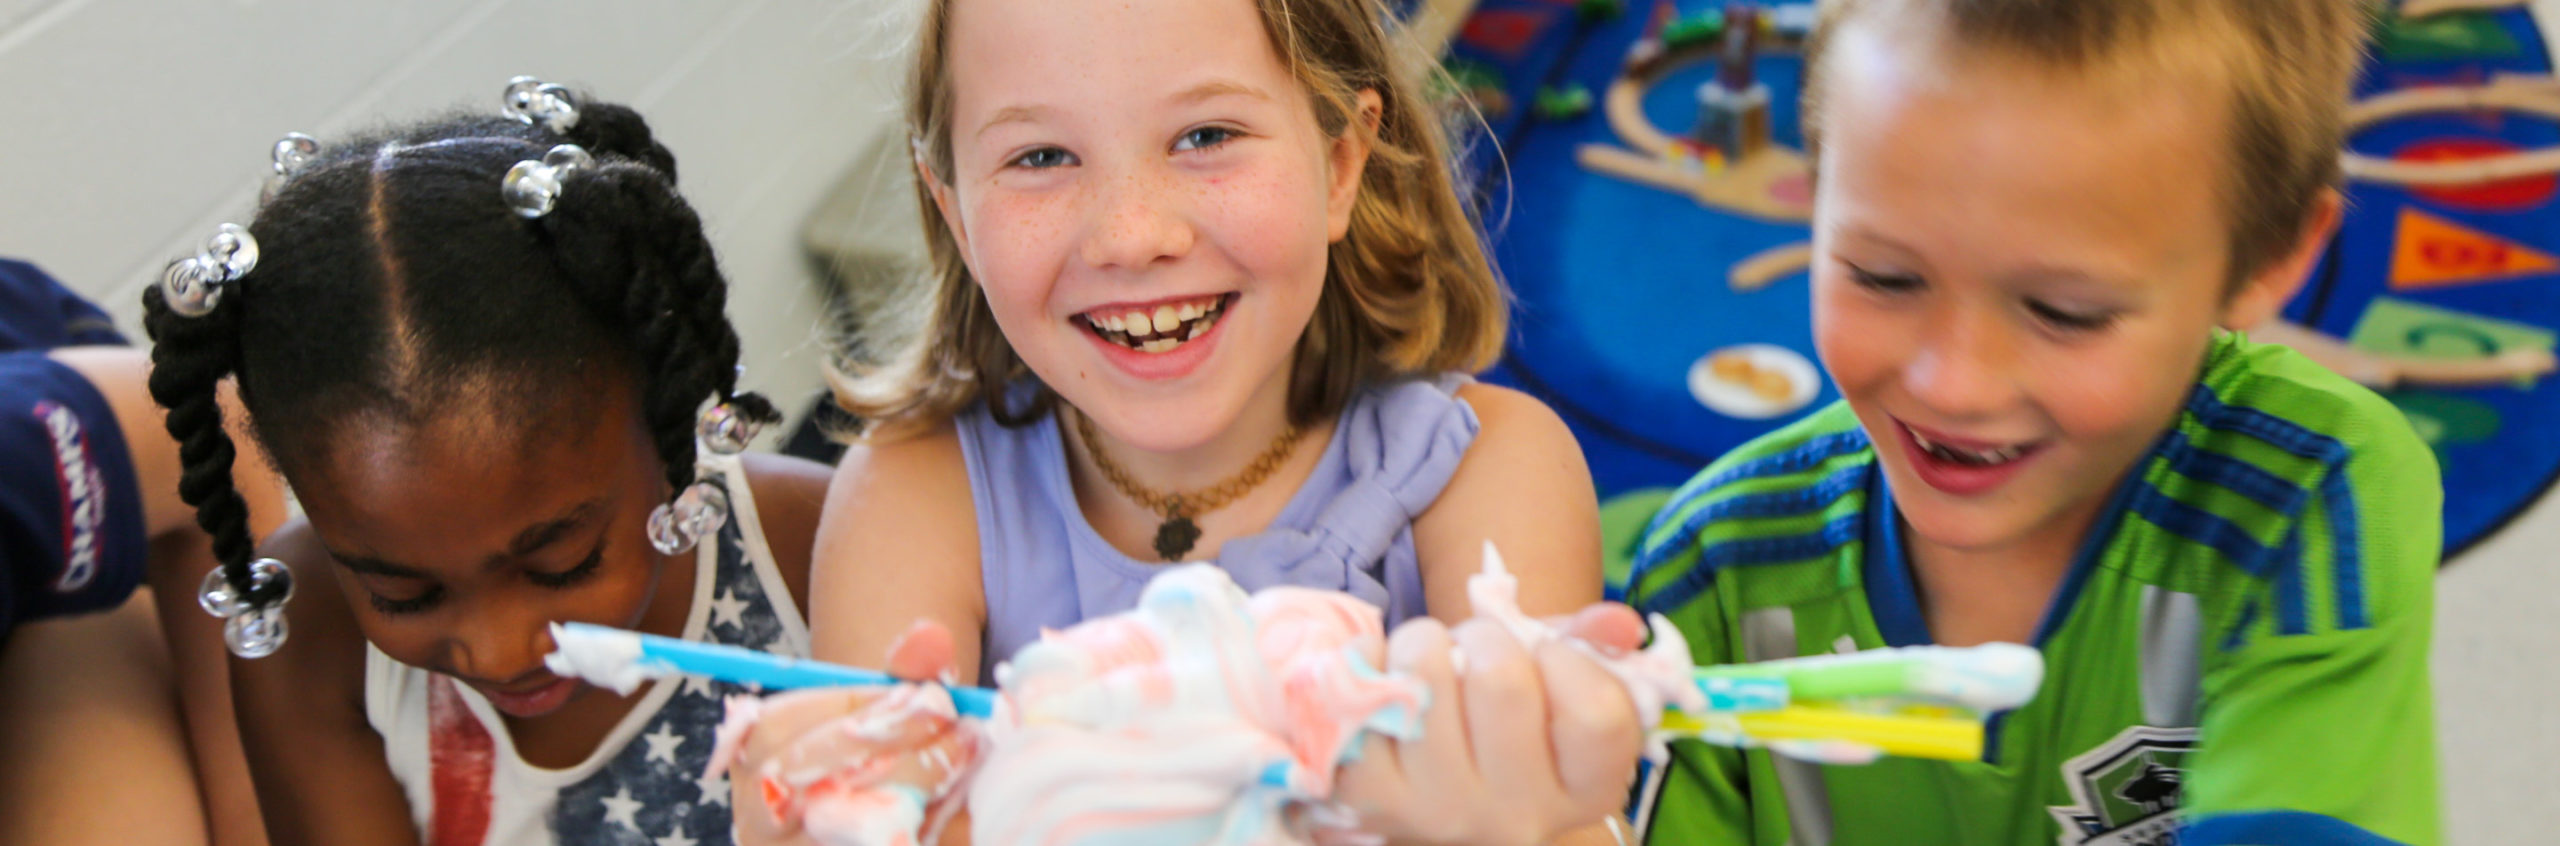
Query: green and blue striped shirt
{"points": [[2237, 655]]}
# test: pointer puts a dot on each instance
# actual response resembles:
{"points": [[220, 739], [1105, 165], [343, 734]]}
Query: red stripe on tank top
{"points": [[462, 757]]}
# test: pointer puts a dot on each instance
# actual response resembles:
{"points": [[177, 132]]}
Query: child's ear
{"points": [[944, 202], [1349, 159], [2265, 292]]}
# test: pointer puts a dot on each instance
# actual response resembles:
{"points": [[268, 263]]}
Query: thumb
{"points": [[923, 653], [1609, 626]]}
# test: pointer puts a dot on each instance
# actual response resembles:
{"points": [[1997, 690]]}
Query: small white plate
{"points": [[1737, 399]]}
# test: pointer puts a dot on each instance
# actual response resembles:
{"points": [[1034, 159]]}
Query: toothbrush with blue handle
{"points": [[622, 660]]}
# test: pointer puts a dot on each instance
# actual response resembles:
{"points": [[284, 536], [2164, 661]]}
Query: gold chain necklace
{"points": [[1176, 535]]}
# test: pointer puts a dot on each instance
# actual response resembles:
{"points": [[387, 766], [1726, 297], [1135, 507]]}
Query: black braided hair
{"points": [[393, 275], [189, 360], [621, 231]]}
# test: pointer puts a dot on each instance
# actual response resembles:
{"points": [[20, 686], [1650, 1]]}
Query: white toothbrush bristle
{"points": [[604, 657]]}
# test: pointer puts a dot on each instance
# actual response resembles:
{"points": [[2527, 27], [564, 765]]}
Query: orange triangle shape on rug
{"points": [[2432, 252]]}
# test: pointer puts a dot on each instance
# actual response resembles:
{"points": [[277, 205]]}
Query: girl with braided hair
{"points": [[489, 355]]}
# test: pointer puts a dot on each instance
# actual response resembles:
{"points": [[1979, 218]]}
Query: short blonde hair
{"points": [[2289, 66], [1407, 291]]}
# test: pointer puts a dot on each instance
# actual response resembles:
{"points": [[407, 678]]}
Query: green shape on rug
{"points": [[2454, 35], [2400, 327]]}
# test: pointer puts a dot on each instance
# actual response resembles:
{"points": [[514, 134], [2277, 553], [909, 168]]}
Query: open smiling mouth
{"points": [[1972, 457], [1162, 329]]}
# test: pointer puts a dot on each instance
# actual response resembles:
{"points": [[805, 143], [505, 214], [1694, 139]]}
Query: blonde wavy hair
{"points": [[2286, 68], [1407, 291]]}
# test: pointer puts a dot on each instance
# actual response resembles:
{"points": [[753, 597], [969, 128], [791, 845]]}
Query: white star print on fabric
{"points": [[714, 787], [728, 610], [698, 685], [663, 743], [653, 791], [621, 808]]}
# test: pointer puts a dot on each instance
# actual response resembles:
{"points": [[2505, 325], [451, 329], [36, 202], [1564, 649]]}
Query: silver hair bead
{"points": [[723, 430], [217, 598], [252, 631], [189, 288], [292, 154], [256, 634], [295, 151], [698, 512], [193, 286], [533, 187], [534, 101], [231, 250]]}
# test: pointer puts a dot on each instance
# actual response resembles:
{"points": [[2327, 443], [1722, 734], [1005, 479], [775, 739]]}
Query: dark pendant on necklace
{"points": [[1175, 537]]}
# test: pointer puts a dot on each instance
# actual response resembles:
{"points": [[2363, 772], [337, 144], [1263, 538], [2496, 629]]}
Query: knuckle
{"points": [[1513, 682], [1420, 643], [1580, 720]]}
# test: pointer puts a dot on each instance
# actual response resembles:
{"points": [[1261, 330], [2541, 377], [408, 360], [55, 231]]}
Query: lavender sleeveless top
{"points": [[1349, 528]]}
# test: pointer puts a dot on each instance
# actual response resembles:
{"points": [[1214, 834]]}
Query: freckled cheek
{"points": [[1270, 222], [1016, 224], [1016, 247]]}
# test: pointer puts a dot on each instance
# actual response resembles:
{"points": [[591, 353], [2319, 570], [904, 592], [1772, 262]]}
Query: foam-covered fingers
{"points": [[773, 725], [1421, 649], [1409, 790], [1591, 723], [1373, 785], [938, 764], [773, 734]]}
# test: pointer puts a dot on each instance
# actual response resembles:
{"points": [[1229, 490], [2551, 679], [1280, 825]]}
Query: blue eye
{"points": [[1204, 138], [1044, 158]]}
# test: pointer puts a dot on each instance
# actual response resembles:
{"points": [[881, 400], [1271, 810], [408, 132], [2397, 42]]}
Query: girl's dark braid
{"points": [[626, 238], [190, 356]]}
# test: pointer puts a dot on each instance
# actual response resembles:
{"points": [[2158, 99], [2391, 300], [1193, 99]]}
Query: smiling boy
{"points": [[2039, 226]]}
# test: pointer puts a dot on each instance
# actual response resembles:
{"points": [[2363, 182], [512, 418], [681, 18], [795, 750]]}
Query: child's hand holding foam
{"points": [[851, 766], [1201, 717], [1527, 737], [1205, 716]]}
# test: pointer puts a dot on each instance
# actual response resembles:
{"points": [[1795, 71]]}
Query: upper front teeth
{"points": [[1996, 455], [1161, 328]]}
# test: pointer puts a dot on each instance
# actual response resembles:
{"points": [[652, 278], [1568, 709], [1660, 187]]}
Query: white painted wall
{"points": [[134, 126], [2497, 672]]}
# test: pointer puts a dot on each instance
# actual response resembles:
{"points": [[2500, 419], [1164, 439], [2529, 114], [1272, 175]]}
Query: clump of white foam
{"points": [[603, 657], [846, 782], [1201, 717], [1657, 677]]}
